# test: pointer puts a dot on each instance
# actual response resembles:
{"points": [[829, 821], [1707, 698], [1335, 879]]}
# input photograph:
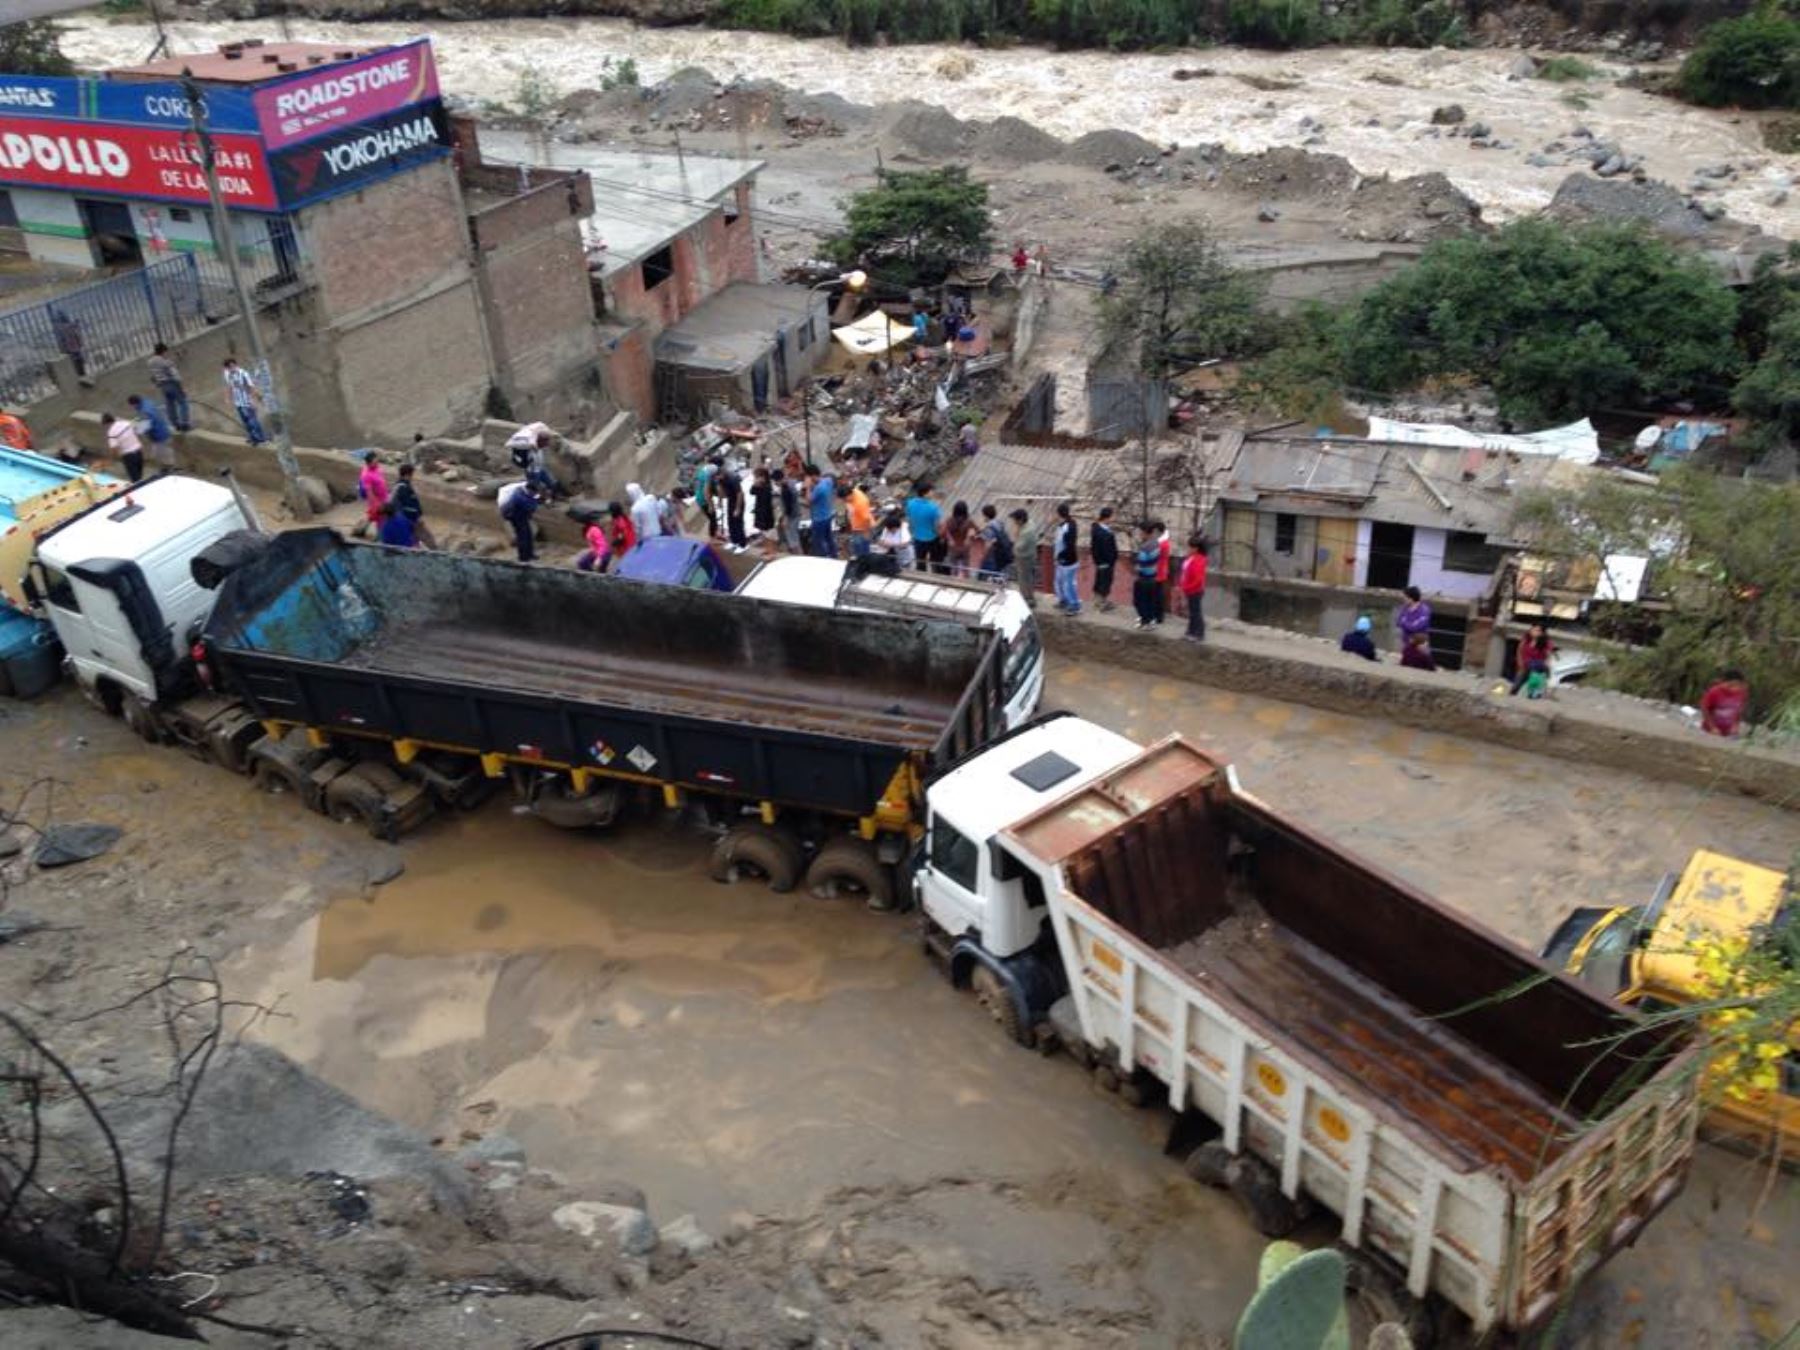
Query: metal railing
{"points": [[110, 323]]}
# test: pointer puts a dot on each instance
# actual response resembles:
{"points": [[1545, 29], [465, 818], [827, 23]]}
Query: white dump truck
{"points": [[1485, 1131]]}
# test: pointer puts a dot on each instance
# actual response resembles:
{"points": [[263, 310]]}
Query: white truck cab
{"points": [[117, 585], [985, 911], [828, 583]]}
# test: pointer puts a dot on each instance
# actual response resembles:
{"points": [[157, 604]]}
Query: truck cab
{"points": [[830, 583], [985, 912], [116, 583], [1648, 957], [676, 560]]}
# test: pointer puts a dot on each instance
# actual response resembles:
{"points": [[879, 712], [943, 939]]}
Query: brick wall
{"points": [[628, 370], [708, 258], [422, 368], [385, 244]]}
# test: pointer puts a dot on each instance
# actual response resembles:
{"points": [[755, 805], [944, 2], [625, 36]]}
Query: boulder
{"points": [[1522, 68], [628, 1228], [1447, 115], [318, 493]]}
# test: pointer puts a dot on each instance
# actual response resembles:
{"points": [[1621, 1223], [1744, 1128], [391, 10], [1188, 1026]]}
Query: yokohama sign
{"points": [[360, 154], [154, 163]]}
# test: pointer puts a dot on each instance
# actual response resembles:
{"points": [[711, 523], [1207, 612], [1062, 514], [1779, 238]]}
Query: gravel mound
{"points": [[1584, 197], [1097, 149], [1286, 173], [926, 130], [1012, 140]]}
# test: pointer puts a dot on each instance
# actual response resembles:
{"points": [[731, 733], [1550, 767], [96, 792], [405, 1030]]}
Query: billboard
{"points": [[153, 163], [316, 104], [154, 103], [360, 154]]}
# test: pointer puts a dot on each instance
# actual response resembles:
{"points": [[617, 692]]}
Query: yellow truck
{"points": [[36, 493], [1649, 957]]}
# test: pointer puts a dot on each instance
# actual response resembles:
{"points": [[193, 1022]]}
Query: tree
{"points": [[916, 225], [1178, 301], [1302, 373], [1728, 563], [1748, 62], [1558, 319], [1769, 393], [31, 48]]}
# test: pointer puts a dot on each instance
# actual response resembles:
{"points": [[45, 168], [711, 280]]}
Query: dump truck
{"points": [[1485, 1130], [1649, 958], [36, 493], [380, 684]]}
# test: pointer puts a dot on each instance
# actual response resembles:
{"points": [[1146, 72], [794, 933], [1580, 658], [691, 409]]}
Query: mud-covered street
{"points": [[794, 1069]]}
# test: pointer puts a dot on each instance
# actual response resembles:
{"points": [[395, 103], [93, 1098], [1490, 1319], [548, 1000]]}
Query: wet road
{"points": [[730, 1050]]}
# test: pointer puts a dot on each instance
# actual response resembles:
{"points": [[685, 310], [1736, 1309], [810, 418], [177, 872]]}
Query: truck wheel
{"points": [[850, 867], [1374, 1297], [992, 994], [142, 719], [1210, 1164], [1258, 1190], [278, 779], [351, 801], [755, 850]]}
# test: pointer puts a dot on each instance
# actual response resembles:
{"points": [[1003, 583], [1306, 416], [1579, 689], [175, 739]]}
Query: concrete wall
{"points": [[419, 369], [1332, 280], [1344, 684], [707, 258], [1298, 606], [53, 228]]}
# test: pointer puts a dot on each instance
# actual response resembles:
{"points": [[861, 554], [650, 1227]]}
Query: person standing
{"points": [[518, 503], [245, 400], [646, 516], [1723, 706], [925, 519], [69, 341], [895, 540], [619, 531], [959, 540], [1193, 587], [396, 529], [859, 518], [997, 546], [669, 511], [122, 440], [372, 487], [407, 503], [1358, 641], [762, 507], [1165, 551], [153, 427], [968, 441], [1144, 586], [1026, 561], [1414, 618], [790, 509], [166, 376], [1533, 655], [730, 487], [530, 450], [1065, 551], [1103, 548], [821, 496], [706, 494]]}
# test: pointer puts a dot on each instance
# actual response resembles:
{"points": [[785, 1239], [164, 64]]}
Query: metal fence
{"points": [[121, 319]]}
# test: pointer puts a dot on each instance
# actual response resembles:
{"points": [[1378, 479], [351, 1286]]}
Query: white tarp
{"points": [[873, 334], [1621, 577], [1578, 442]]}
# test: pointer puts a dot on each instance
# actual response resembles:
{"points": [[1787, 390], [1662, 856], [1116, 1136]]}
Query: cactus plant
{"points": [[1298, 1304]]}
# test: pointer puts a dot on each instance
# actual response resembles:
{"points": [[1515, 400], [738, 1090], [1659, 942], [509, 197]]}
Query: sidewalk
{"points": [[1591, 726]]}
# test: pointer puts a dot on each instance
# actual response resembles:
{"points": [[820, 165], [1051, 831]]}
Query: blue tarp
{"points": [[674, 560]]}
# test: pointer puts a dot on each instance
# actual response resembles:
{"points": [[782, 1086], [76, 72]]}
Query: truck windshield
{"points": [[1022, 657], [954, 855]]}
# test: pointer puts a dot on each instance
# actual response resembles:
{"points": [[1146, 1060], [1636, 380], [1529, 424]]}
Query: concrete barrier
{"points": [[1432, 703]]}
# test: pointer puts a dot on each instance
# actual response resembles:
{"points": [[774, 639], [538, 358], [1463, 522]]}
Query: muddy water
{"points": [[1070, 93]]}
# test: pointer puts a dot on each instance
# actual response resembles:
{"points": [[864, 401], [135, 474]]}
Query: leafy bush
{"points": [[1563, 68], [915, 225], [31, 49], [1410, 23], [619, 74], [1281, 24], [1558, 319], [1752, 62]]}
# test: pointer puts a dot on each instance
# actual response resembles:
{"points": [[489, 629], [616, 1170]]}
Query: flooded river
{"points": [[1375, 105]]}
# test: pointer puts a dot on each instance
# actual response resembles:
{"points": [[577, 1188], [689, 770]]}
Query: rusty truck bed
{"points": [[463, 653], [1417, 1068]]}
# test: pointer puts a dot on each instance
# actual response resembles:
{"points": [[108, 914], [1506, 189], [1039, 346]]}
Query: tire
{"points": [[849, 866], [1210, 1164], [761, 851], [357, 803], [1259, 1192], [278, 780], [992, 994], [1374, 1296], [141, 718]]}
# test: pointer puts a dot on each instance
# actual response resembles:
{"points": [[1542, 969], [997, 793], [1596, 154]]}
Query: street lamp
{"points": [[853, 281]]}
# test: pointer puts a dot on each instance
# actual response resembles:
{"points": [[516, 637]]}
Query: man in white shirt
{"points": [[646, 512], [122, 440], [530, 449]]}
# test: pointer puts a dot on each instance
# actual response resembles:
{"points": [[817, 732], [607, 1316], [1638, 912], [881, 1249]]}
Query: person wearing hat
{"points": [[1358, 642]]}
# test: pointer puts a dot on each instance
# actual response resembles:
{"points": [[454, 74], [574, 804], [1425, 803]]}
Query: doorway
{"points": [[1390, 556], [110, 226]]}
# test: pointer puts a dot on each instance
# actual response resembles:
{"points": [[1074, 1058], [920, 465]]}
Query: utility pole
{"points": [[278, 420]]}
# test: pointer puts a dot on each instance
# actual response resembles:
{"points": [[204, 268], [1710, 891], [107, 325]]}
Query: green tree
{"points": [[31, 49], [1769, 393], [1178, 300], [1558, 319], [1726, 559], [915, 225], [1302, 374], [1750, 62]]}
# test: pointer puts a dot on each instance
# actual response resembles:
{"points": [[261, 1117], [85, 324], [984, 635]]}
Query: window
{"points": [[954, 854], [1466, 552], [9, 218], [182, 214], [1286, 528], [658, 267], [58, 591]]}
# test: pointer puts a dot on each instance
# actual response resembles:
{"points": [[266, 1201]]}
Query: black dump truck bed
{"points": [[806, 707]]}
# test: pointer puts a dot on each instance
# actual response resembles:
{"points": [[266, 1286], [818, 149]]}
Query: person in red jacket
{"points": [[1193, 587], [619, 531], [1722, 707]]}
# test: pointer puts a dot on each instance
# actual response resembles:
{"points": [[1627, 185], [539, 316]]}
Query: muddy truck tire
{"points": [[850, 867], [764, 852]]}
